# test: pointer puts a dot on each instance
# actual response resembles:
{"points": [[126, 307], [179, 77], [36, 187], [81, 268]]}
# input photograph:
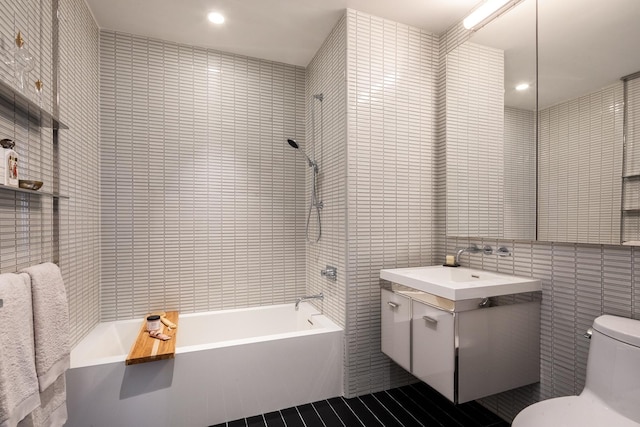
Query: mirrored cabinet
{"points": [[541, 121]]}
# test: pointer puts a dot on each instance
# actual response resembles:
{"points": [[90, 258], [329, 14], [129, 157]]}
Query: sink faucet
{"points": [[320, 296], [473, 249]]}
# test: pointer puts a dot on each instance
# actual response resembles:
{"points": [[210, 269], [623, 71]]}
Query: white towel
{"points": [[50, 322], [53, 410], [18, 381]]}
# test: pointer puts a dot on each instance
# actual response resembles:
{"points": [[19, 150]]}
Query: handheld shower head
{"points": [[294, 144]]}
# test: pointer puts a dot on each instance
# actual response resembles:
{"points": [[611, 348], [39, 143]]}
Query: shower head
{"points": [[294, 144]]}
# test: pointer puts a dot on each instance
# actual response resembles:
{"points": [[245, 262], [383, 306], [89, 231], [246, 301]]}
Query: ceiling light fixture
{"points": [[216, 18], [522, 86], [483, 12]]}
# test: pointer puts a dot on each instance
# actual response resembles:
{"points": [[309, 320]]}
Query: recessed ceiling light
{"points": [[522, 86], [216, 18]]}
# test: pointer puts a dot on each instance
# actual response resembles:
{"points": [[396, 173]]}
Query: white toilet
{"points": [[611, 396]]}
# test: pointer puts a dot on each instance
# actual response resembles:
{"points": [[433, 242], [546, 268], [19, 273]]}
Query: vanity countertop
{"points": [[460, 283]]}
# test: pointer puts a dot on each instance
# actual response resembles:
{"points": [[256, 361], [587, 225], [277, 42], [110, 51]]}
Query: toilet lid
{"points": [[620, 328], [571, 411]]}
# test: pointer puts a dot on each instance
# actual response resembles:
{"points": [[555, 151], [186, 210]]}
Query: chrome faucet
{"points": [[473, 249], [320, 296]]}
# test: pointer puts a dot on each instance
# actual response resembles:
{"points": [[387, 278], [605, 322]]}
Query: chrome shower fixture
{"points": [[314, 203], [294, 144], [319, 97]]}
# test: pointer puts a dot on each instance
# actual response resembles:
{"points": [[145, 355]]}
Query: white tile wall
{"points": [[26, 225], [203, 203], [26, 228], [327, 143], [391, 115], [580, 168], [631, 217], [79, 156], [519, 176], [475, 141]]}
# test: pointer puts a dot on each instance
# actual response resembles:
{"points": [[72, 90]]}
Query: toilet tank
{"points": [[613, 367]]}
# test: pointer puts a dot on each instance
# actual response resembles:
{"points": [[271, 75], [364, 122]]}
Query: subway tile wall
{"points": [[447, 41], [474, 141], [203, 201], [26, 224], [27, 228], [391, 114], [519, 174], [579, 283], [631, 184], [580, 149], [327, 143], [79, 167]]}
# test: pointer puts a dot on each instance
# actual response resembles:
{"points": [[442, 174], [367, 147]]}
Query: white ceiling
{"points": [[289, 31]]}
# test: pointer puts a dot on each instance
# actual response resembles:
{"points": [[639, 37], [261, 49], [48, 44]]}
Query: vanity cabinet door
{"points": [[396, 328], [434, 347]]}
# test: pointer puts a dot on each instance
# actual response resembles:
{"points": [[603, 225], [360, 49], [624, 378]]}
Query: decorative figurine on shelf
{"points": [[9, 166], [39, 86]]}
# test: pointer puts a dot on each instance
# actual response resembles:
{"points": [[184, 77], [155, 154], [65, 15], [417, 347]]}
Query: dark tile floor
{"points": [[413, 405]]}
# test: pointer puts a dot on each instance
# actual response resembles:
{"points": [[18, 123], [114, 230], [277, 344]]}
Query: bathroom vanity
{"points": [[467, 333]]}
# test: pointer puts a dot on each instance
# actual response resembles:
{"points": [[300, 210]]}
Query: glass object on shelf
{"points": [[20, 59]]}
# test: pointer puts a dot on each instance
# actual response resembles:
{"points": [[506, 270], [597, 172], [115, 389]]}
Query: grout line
{"points": [[320, 416], [403, 408], [372, 413], [352, 411], [282, 418], [301, 417], [334, 411], [431, 402]]}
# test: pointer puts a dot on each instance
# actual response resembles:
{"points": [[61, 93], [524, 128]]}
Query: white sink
{"points": [[460, 283]]}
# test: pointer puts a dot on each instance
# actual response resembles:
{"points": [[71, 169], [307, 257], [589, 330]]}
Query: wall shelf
{"points": [[36, 192], [11, 99]]}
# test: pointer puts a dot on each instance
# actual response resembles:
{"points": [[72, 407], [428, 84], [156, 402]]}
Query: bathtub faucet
{"points": [[320, 296]]}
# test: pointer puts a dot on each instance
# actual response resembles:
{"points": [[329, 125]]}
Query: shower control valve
{"points": [[330, 273]]}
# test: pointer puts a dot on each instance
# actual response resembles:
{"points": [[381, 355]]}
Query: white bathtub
{"points": [[229, 364]]}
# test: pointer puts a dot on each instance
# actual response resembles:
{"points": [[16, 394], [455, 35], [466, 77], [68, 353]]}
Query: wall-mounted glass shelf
{"points": [[36, 192], [11, 99]]}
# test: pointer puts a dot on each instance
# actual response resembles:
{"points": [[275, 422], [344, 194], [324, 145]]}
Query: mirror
{"points": [[491, 150], [584, 48]]}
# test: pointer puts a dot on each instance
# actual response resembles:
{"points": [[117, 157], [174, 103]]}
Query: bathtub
{"points": [[229, 364]]}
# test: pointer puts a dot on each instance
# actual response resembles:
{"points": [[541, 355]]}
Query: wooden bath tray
{"points": [[149, 349]]}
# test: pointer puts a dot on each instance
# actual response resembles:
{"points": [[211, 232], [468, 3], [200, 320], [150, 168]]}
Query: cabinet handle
{"points": [[430, 320], [393, 304]]}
